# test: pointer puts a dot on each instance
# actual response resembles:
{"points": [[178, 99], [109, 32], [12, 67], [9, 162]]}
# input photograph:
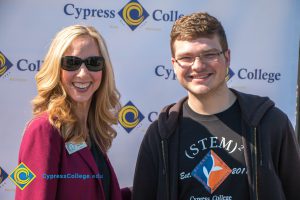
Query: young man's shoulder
{"points": [[248, 97], [260, 109]]}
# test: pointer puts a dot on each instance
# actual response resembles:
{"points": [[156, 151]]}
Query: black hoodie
{"points": [[272, 153]]}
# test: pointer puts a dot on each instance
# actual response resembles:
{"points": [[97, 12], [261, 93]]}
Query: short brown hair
{"points": [[197, 25]]}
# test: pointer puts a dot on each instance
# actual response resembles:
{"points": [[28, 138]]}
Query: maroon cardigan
{"points": [[43, 152]]}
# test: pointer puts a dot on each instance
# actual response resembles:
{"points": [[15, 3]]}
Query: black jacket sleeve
{"points": [[146, 171], [289, 164]]}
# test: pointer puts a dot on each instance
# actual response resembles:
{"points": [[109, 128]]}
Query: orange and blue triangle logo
{"points": [[211, 171]]}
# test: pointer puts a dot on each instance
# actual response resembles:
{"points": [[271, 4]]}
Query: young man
{"points": [[217, 143]]}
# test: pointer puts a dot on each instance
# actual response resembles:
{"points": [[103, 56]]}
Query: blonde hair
{"points": [[53, 99]]}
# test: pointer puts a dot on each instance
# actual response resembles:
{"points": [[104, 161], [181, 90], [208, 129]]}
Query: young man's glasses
{"points": [[73, 63], [208, 57]]}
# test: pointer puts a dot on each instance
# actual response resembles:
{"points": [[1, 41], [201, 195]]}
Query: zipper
{"points": [[165, 170], [164, 157], [255, 165]]}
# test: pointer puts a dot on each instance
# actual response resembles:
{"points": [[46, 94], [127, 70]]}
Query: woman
{"points": [[65, 145]]}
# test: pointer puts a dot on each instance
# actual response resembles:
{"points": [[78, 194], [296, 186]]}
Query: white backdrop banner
{"points": [[263, 37]]}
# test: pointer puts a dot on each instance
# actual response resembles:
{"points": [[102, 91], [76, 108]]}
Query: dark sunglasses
{"points": [[73, 63]]}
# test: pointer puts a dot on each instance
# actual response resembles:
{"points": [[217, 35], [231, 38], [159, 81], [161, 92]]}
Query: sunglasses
{"points": [[73, 63]]}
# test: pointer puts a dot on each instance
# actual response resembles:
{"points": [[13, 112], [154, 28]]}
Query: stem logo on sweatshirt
{"points": [[211, 171]]}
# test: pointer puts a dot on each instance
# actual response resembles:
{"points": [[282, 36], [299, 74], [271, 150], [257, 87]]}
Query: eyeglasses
{"points": [[209, 57], [73, 63]]}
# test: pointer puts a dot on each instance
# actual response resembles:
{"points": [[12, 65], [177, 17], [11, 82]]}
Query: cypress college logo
{"points": [[230, 74], [22, 176], [3, 175], [133, 14], [5, 64], [130, 117]]}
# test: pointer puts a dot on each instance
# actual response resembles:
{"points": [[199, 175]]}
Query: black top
{"points": [[103, 168], [272, 160], [211, 156]]}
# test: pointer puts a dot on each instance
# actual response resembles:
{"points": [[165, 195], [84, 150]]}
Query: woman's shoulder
{"points": [[41, 146], [40, 121], [40, 126]]}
